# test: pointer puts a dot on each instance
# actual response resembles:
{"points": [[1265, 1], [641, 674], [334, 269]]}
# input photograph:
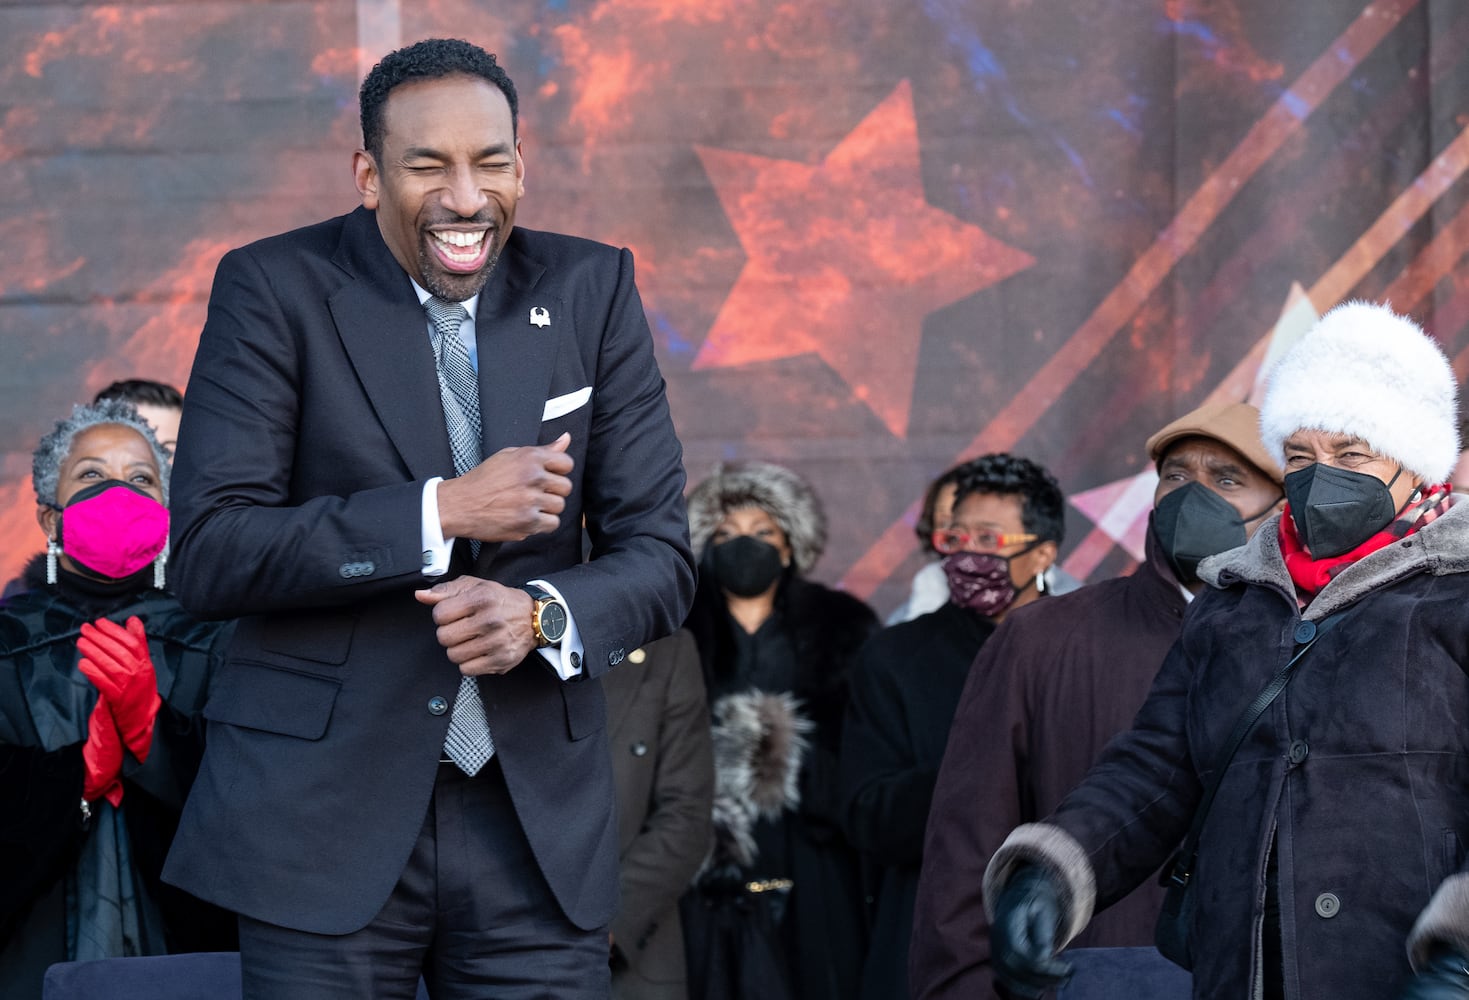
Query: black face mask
{"points": [[1335, 510], [745, 566], [1194, 522]]}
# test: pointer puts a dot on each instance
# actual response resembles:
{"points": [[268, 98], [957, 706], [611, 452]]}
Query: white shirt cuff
{"points": [[566, 658], [436, 548]]}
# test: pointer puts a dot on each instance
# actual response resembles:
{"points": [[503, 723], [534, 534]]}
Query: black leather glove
{"points": [[1444, 977], [1023, 938]]}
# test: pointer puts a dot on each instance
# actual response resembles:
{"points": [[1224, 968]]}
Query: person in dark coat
{"points": [[998, 542], [1060, 678], [662, 765], [1331, 863], [777, 650], [102, 681]]}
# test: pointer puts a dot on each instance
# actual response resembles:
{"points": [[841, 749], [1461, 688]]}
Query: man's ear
{"points": [[365, 176], [519, 170]]}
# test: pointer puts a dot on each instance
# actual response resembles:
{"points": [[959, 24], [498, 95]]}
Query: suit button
{"points": [[1327, 905], [437, 705], [367, 568], [347, 570], [1305, 632], [639, 749], [615, 657], [575, 660], [1299, 750]]}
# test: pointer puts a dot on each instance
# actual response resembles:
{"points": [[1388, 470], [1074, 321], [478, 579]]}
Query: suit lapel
{"points": [[516, 357], [385, 335]]}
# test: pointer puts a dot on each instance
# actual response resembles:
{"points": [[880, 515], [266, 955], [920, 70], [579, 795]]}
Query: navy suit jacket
{"points": [[311, 423]]}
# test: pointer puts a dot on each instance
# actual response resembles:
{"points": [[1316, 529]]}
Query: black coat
{"points": [[823, 929], [1356, 778], [45, 706], [905, 686]]}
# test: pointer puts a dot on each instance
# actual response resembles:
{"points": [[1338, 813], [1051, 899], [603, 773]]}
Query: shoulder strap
{"points": [[1182, 866]]}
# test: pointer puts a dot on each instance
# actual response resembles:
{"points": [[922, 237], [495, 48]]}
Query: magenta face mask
{"points": [[979, 581], [112, 529]]}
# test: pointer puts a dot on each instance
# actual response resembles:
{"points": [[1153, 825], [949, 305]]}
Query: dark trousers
{"points": [[471, 912]]}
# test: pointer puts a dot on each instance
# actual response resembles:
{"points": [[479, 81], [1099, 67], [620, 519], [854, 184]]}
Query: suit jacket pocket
{"points": [[258, 696], [586, 707]]}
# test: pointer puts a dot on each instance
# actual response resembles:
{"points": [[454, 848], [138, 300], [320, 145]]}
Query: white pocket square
{"points": [[558, 406]]}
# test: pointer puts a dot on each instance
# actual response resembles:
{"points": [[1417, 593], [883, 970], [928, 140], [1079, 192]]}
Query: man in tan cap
{"points": [[1058, 678]]}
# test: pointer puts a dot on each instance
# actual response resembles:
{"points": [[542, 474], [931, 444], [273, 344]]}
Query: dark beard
{"points": [[456, 287]]}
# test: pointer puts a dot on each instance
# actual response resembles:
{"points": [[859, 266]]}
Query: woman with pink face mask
{"points": [[102, 681]]}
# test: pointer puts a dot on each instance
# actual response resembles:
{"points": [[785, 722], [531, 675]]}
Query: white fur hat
{"points": [[1363, 370]]}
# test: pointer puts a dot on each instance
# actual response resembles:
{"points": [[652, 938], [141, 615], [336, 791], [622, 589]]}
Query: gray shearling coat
{"points": [[1358, 774]]}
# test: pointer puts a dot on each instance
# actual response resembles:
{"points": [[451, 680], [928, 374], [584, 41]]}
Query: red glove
{"points": [[116, 661], [102, 755]]}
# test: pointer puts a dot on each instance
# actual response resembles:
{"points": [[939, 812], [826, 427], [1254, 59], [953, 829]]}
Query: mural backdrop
{"points": [[873, 238]]}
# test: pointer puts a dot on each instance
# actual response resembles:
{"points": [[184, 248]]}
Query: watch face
{"points": [[553, 621]]}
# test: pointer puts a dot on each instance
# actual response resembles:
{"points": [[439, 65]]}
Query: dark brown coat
{"points": [[658, 729], [1057, 680]]}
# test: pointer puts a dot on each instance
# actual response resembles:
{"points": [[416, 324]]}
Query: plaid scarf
{"points": [[1310, 575]]}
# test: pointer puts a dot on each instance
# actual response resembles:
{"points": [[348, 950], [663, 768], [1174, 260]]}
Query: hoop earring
{"points": [[52, 551]]}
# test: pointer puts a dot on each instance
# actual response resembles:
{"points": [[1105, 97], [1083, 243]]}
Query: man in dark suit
{"points": [[663, 765], [366, 811]]}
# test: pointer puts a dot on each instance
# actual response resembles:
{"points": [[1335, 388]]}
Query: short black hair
{"points": [[1042, 505], [142, 392], [430, 59]]}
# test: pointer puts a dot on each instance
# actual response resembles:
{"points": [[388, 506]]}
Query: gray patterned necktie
{"points": [[468, 742]]}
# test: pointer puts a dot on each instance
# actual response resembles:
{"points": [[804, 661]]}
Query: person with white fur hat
{"points": [[1307, 739]]}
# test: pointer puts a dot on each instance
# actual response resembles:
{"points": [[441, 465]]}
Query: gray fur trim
{"points": [[1060, 856], [1445, 920], [1364, 370], [1440, 548], [759, 746], [775, 489]]}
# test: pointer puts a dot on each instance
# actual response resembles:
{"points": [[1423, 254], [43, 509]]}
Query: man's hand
{"points": [[484, 627], [513, 494]]}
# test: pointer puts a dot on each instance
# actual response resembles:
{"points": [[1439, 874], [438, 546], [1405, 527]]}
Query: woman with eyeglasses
{"points": [[997, 544], [777, 912]]}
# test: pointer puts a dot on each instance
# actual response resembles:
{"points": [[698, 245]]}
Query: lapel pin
{"points": [[539, 316]]}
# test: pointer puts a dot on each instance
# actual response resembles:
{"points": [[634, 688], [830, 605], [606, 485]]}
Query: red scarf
{"points": [[1310, 575]]}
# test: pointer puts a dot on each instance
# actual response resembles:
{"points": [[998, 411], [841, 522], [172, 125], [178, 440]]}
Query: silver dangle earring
{"points": [[1040, 582], [52, 551], [159, 576]]}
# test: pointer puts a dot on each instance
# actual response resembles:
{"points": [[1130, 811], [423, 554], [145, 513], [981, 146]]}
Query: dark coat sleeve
{"points": [[677, 831], [887, 791], [977, 800]]}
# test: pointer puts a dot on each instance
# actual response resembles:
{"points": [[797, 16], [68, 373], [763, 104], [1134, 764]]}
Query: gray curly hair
{"points": [[49, 455], [775, 489]]}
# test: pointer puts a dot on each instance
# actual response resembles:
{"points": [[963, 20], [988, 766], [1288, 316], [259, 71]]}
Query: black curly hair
{"points": [[1042, 505], [430, 59]]}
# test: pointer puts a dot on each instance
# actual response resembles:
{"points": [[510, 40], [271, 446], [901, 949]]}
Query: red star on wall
{"points": [[845, 259]]}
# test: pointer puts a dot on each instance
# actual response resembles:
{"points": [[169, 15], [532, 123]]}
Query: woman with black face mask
{"points": [[102, 684], [777, 911], [1307, 739]]}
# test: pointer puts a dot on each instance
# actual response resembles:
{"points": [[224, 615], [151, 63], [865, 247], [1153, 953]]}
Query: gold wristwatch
{"points": [[547, 616]]}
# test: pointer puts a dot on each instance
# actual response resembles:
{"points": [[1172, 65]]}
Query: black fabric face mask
{"points": [[745, 566], [1335, 510], [1192, 523]]}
